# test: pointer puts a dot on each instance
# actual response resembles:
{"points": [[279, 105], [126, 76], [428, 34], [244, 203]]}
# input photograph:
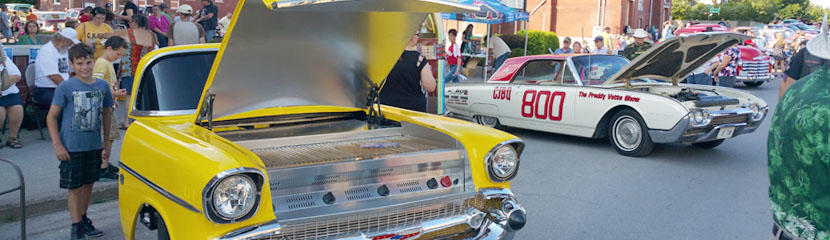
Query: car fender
{"points": [[477, 140], [484, 109], [595, 105], [185, 158]]}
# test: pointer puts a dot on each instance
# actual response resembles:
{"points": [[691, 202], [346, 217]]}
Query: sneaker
{"points": [[105, 175], [77, 232], [89, 230]]}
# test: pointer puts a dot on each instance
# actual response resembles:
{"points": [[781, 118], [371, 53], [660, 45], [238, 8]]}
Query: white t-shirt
{"points": [[603, 50], [705, 66], [499, 47], [50, 62], [13, 71]]}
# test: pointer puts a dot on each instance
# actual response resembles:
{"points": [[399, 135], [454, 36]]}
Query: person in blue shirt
{"points": [[87, 103], [566, 47]]}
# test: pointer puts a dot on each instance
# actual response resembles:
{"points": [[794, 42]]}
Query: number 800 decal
{"points": [[543, 104]]}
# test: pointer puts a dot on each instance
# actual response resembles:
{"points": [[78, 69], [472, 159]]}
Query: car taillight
{"points": [[739, 69]]}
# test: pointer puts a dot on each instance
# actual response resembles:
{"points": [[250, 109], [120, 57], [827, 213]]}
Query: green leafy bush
{"points": [[538, 42]]}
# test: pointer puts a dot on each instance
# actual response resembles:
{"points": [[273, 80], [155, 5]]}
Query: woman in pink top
{"points": [[159, 25]]}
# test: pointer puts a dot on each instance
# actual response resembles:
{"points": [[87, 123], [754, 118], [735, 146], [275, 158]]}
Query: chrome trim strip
{"points": [[158, 189], [169, 113], [163, 113], [221, 176], [493, 151]]}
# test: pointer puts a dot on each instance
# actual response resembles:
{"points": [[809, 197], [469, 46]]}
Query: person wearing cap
{"points": [[798, 150], [185, 31], [638, 47], [52, 65], [599, 46], [566, 47], [5, 27]]}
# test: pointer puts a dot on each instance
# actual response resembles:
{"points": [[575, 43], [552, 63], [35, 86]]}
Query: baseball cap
{"points": [[598, 38], [69, 33], [185, 8], [567, 39]]}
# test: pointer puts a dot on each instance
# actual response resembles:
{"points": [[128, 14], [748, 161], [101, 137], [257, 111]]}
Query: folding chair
{"points": [[30, 100]]}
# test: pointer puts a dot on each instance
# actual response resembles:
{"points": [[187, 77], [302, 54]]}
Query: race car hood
{"points": [[677, 57], [311, 52]]}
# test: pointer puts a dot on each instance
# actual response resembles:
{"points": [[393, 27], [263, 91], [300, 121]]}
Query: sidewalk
{"points": [[40, 169]]}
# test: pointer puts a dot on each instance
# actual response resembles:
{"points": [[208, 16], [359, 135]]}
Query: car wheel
{"points": [[162, 228], [709, 144], [492, 122], [629, 134], [753, 84]]}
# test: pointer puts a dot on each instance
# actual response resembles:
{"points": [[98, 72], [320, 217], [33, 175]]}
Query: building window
{"points": [[218, 1], [57, 2]]}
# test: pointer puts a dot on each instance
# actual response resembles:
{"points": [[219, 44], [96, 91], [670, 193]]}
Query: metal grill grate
{"points": [[729, 119], [393, 218], [317, 153]]}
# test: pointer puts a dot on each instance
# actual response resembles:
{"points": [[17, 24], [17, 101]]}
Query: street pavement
{"points": [[574, 188]]}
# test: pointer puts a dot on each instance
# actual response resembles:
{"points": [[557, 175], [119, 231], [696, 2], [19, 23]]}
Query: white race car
{"points": [[634, 104]]}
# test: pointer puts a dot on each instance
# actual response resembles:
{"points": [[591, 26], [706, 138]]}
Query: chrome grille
{"points": [[318, 153], [755, 67], [729, 119], [350, 225]]}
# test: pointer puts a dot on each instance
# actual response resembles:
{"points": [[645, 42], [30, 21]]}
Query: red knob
{"points": [[446, 182]]}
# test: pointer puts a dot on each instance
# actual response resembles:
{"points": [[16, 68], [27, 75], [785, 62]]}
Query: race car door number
{"points": [[726, 132]]}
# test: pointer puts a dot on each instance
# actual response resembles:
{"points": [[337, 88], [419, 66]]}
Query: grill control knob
{"points": [[329, 198], [383, 190], [446, 182], [432, 184]]}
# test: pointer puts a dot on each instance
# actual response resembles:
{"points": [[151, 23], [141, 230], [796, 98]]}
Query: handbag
{"points": [[7, 82]]}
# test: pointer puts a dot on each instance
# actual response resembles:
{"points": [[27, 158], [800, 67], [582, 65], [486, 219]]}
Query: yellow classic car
{"points": [[277, 134]]}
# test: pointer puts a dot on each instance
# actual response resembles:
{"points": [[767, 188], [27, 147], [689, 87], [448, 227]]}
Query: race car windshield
{"points": [[600, 68]]}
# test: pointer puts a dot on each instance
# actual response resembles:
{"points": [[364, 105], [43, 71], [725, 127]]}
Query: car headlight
{"points": [[234, 197], [503, 162], [700, 118], [757, 113]]}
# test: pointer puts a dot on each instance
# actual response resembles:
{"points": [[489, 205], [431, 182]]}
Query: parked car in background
{"points": [[787, 21], [73, 13], [590, 96], [300, 148], [754, 66], [51, 20], [21, 8]]}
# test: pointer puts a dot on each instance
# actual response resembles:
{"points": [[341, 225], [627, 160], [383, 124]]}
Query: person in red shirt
{"points": [[86, 15], [453, 58]]}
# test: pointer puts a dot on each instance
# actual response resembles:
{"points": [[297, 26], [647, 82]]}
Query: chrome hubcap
{"points": [[627, 133], [487, 121]]}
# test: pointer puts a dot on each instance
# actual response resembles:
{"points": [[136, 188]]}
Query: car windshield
{"points": [[596, 69], [166, 86]]}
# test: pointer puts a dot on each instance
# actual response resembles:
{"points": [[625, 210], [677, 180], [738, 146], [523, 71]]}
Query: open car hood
{"points": [[311, 52], [677, 57]]}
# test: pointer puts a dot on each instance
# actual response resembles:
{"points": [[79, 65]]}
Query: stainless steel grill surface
{"points": [[327, 152], [378, 222]]}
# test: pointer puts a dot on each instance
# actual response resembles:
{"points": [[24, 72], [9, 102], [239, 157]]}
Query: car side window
{"points": [[538, 71], [168, 86]]}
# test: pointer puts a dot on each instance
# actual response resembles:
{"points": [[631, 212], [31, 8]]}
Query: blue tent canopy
{"points": [[491, 12]]}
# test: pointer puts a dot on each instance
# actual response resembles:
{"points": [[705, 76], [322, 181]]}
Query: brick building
{"points": [[225, 6], [571, 17]]}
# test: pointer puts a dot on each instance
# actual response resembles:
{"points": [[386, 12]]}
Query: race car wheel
{"points": [[709, 144], [488, 121], [629, 134], [753, 84]]}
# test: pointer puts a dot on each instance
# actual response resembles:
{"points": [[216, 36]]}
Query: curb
{"points": [[56, 202]]}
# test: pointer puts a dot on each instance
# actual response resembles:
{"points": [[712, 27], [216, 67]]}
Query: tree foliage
{"points": [[749, 10]]}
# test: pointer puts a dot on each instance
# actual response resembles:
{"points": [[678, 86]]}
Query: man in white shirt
{"points": [[500, 51], [600, 47], [52, 65]]}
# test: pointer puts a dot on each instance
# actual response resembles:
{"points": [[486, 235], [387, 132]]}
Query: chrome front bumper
{"points": [[762, 78], [495, 221], [684, 132]]}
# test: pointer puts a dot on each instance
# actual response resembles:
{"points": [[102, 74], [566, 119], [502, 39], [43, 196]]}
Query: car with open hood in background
{"points": [[599, 96], [277, 134], [755, 65]]}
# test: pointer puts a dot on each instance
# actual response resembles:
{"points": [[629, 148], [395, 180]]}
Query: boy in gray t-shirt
{"points": [[87, 104]]}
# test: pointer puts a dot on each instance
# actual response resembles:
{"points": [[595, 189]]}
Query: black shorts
{"points": [[81, 169]]}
